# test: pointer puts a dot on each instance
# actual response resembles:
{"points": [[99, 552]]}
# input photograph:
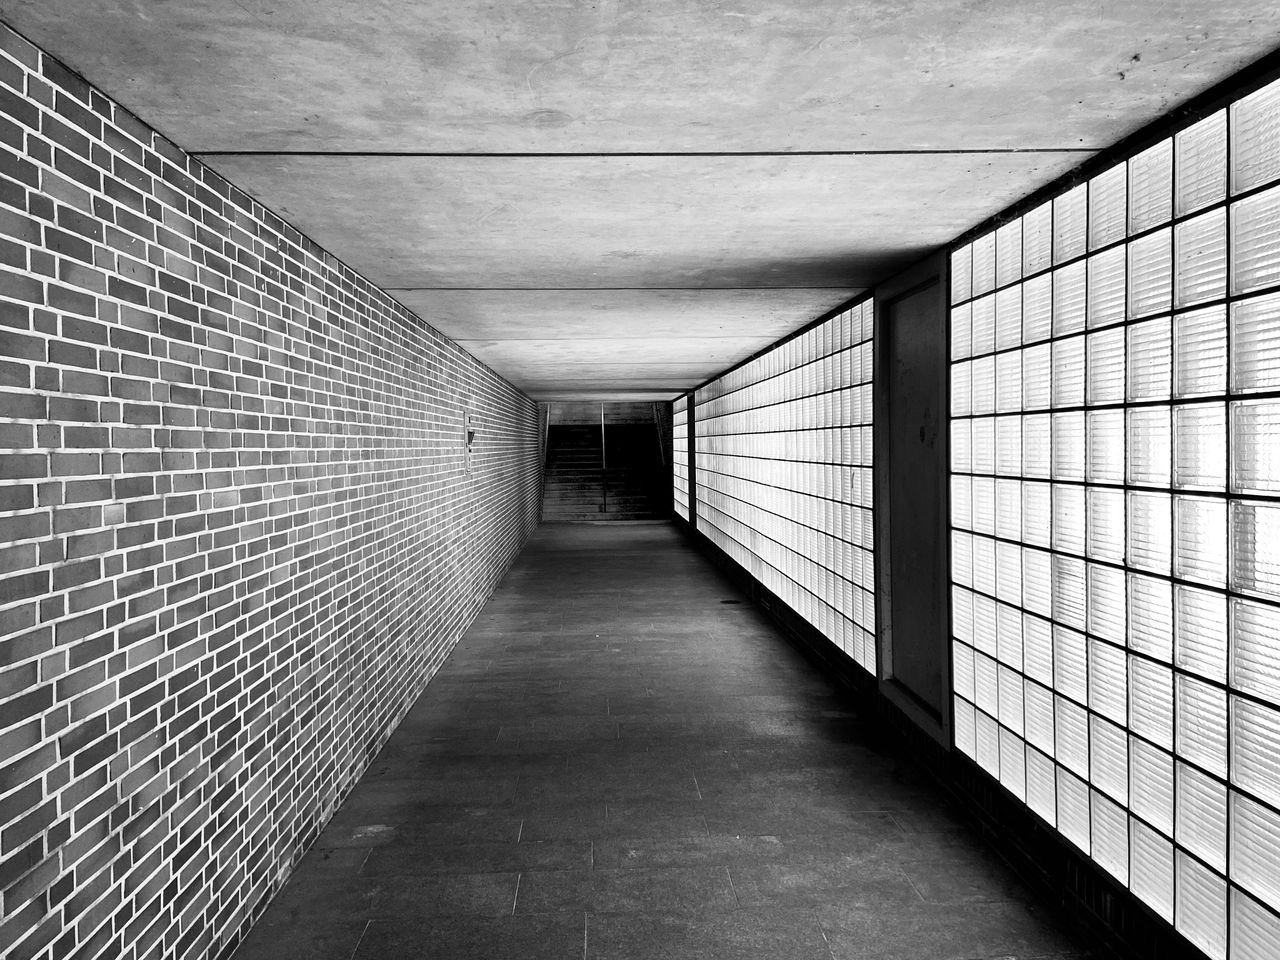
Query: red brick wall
{"points": [[237, 529]]}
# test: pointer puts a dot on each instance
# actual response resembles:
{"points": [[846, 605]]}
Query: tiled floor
{"points": [[617, 763]]}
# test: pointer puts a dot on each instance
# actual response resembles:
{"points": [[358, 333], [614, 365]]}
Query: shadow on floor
{"points": [[615, 764]]}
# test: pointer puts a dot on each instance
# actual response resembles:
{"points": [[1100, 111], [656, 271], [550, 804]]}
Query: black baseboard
{"points": [[1109, 920]]}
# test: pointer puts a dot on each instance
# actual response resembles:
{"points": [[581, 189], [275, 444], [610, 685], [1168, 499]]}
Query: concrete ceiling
{"points": [[618, 200]]}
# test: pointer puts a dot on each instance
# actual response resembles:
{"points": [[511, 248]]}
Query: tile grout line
{"points": [[360, 939], [732, 887]]}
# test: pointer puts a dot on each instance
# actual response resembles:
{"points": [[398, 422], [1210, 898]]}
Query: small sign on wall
{"points": [[468, 441]]}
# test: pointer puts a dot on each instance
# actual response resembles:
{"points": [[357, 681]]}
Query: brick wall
{"points": [[239, 529]]}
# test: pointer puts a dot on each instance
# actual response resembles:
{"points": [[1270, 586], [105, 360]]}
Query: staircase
{"points": [[574, 487]]}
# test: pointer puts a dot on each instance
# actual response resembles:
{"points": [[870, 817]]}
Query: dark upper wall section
{"points": [[239, 528]]}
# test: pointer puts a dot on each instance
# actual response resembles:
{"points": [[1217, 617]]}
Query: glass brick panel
{"points": [[1255, 749], [1151, 187], [1201, 908], [1255, 654], [1254, 848], [1069, 216], [1255, 242], [1200, 352], [1202, 815], [1150, 360], [1105, 366], [1255, 447], [1037, 308], [1201, 724], [1105, 299], [1255, 344], [1255, 930], [1201, 259], [1201, 160], [1108, 205], [1255, 139], [1009, 253], [1070, 284], [1151, 868], [1037, 239], [1200, 446], [1150, 274], [1255, 548]]}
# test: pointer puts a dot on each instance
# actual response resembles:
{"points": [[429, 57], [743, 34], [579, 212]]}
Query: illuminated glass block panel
{"points": [[1105, 366], [962, 275], [1200, 631], [1150, 360], [1151, 616], [1202, 815], [1108, 207], [1108, 681], [1255, 242], [1109, 759], [1009, 253], [1255, 654], [1008, 318], [1200, 722], [1255, 930], [1200, 352], [1107, 606], [1073, 809], [1147, 529], [1110, 836], [1151, 701], [1200, 259], [1042, 786], [1068, 372], [1151, 868], [1105, 298], [1150, 274], [1013, 764], [1254, 847], [984, 264], [1200, 539], [1070, 286], [1150, 446], [1106, 527], [1106, 433], [1151, 784], [1070, 216], [1037, 239], [961, 332], [1135, 584], [1255, 749], [1255, 547], [1255, 447], [1037, 648], [1037, 309], [1069, 451], [1200, 156], [1200, 446], [1201, 907], [1151, 187], [1255, 139], [1255, 344]]}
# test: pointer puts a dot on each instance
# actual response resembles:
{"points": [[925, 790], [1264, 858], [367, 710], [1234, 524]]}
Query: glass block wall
{"points": [[783, 448], [1115, 509], [680, 456]]}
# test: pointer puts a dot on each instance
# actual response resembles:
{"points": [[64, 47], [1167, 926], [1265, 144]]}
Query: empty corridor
{"points": [[624, 759]]}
